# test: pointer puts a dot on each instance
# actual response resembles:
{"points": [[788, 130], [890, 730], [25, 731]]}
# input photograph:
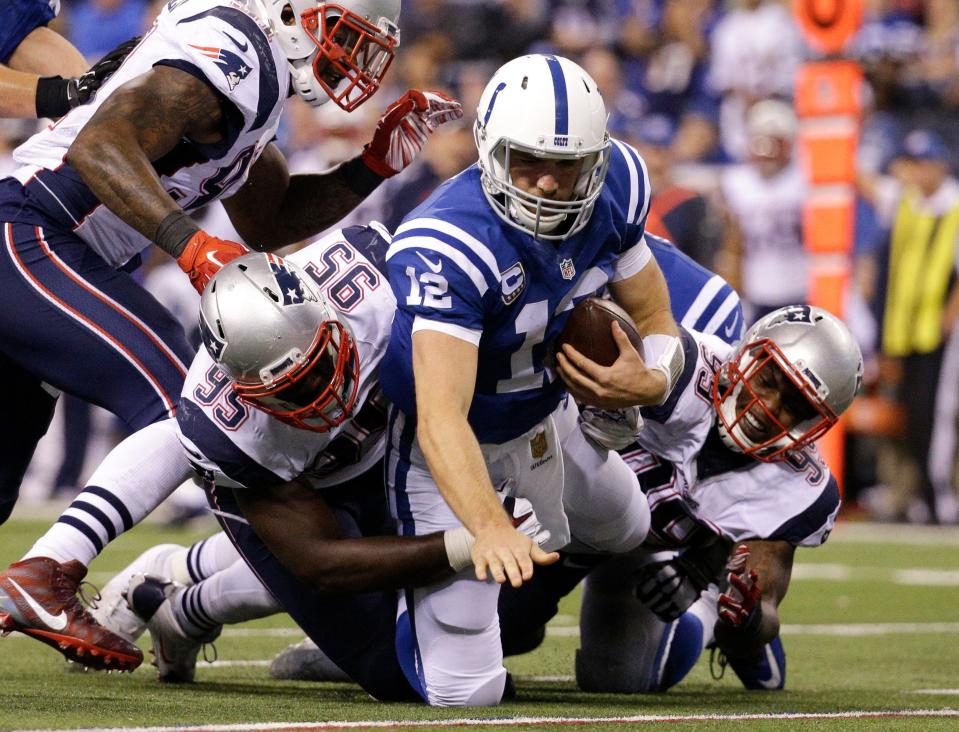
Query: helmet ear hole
{"points": [[287, 15], [270, 294]]}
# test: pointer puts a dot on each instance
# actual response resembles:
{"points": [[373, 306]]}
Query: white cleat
{"points": [[112, 610], [304, 661], [174, 652]]}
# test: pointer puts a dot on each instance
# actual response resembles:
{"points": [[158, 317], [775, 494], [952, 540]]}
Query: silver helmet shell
{"points": [[270, 330], [818, 355]]}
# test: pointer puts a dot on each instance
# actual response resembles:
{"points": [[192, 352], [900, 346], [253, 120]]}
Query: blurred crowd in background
{"points": [[703, 88]]}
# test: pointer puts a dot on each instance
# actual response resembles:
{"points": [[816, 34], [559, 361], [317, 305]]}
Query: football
{"points": [[589, 330]]}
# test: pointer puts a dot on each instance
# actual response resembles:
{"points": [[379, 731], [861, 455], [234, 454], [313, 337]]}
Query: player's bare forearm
{"points": [[274, 208], [645, 296], [18, 93], [456, 464], [298, 527], [772, 562], [47, 53], [139, 123], [444, 369]]}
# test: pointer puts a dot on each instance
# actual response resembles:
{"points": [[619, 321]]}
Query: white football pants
{"points": [[448, 633]]}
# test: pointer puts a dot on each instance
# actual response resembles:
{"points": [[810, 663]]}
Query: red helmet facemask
{"points": [[332, 365], [351, 49], [741, 392]]}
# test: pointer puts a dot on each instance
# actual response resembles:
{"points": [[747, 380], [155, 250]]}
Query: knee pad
{"points": [[768, 672], [679, 649]]}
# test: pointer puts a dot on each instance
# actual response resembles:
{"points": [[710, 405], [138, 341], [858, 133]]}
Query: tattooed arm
{"points": [[139, 123], [274, 209]]}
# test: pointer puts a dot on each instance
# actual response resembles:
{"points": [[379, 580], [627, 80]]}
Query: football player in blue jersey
{"points": [[485, 273], [188, 118]]}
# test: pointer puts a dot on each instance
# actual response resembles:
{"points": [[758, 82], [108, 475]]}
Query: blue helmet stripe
{"points": [[492, 101], [559, 93]]}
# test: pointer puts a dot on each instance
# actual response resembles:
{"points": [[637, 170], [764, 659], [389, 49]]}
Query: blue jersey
{"points": [[19, 18], [700, 299], [456, 264]]}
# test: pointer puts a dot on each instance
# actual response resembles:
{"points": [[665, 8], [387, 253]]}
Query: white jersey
{"points": [[245, 447], [695, 484], [769, 214], [223, 43]]}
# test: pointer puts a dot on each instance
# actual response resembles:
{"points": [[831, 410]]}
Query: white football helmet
{"points": [[549, 107], [337, 51], [810, 359], [275, 336]]}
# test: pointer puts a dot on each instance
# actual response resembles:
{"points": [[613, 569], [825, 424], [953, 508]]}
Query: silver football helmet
{"points": [[797, 370], [546, 107], [337, 51], [269, 329]]}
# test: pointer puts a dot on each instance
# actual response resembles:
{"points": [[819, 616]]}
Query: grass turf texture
{"points": [[826, 673]]}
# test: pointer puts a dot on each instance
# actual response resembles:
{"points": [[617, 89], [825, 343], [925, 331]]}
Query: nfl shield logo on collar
{"points": [[567, 269]]}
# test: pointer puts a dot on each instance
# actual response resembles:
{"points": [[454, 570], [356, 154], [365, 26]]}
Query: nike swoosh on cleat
{"points": [[54, 622]]}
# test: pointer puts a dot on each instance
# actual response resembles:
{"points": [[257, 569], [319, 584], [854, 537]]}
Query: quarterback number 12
{"points": [[432, 294]]}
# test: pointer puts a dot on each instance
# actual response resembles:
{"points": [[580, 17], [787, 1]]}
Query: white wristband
{"points": [[665, 353], [459, 543]]}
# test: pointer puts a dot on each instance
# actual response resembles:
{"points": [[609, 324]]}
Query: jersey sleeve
{"points": [[225, 48], [212, 453], [812, 526], [441, 275], [628, 181]]}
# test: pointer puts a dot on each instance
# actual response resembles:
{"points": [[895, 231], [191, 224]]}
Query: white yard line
{"points": [[535, 721], [868, 533], [836, 629]]}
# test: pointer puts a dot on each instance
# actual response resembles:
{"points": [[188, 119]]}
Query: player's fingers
{"points": [[511, 567], [480, 567], [740, 584], [586, 365], [495, 567], [571, 373], [524, 562], [543, 558], [622, 340]]}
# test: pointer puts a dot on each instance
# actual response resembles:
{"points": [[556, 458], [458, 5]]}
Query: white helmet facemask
{"points": [[545, 107]]}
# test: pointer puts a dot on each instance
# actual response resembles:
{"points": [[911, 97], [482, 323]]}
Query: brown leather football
{"points": [[589, 330]]}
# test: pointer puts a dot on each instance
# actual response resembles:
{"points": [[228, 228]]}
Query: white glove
{"points": [[611, 429]]}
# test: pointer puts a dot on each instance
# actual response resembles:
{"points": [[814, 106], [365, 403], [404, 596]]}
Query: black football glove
{"points": [[56, 96], [668, 587]]}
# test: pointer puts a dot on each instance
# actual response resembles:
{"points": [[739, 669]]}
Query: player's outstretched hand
{"points": [[505, 553], [205, 255], [738, 604], [626, 383], [404, 128]]}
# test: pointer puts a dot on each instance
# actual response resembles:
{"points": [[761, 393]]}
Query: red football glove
{"points": [[404, 127], [740, 601], [205, 255]]}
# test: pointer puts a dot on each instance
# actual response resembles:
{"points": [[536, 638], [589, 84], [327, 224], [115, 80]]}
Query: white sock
{"points": [[204, 559], [232, 595], [132, 480]]}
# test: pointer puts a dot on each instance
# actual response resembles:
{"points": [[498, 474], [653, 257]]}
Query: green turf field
{"points": [[871, 625]]}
